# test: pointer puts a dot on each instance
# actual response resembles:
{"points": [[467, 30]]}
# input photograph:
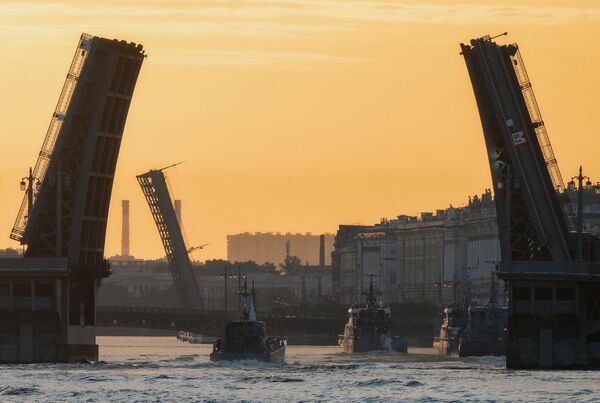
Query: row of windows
{"points": [[543, 293], [42, 290]]}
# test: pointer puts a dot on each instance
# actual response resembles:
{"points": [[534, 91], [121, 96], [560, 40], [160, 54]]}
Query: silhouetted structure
{"points": [[432, 258], [553, 274], [55, 284], [436, 257], [156, 191], [269, 247], [125, 228], [322, 250], [178, 212]]}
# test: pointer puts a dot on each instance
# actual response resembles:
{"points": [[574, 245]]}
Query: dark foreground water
{"points": [[163, 369]]}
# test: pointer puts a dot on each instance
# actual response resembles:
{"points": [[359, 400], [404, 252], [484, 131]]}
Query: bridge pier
{"points": [[34, 314], [554, 315]]}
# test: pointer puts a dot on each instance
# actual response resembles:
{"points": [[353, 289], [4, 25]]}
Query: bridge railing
{"points": [[60, 112], [199, 312]]}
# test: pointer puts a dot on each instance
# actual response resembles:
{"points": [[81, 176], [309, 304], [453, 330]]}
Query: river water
{"points": [[164, 369]]}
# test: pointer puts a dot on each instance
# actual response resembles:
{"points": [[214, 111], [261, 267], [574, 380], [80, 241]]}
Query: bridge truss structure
{"points": [[155, 187], [63, 216], [76, 166], [553, 273]]}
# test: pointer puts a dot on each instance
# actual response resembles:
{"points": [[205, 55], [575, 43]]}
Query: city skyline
{"points": [[297, 124]]}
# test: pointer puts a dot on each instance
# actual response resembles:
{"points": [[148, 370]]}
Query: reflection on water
{"points": [[164, 369]]}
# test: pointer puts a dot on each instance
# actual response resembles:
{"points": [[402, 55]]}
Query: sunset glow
{"points": [[297, 115]]}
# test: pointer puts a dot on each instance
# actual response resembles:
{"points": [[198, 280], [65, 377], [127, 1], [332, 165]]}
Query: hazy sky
{"points": [[297, 115]]}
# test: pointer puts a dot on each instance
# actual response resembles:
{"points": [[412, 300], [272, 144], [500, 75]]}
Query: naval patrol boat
{"points": [[453, 326], [486, 329], [246, 338], [369, 328], [486, 332], [474, 330]]}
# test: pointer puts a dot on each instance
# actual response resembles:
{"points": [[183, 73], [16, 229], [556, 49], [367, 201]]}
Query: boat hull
{"points": [[349, 345], [399, 345], [273, 357], [476, 348], [445, 347]]}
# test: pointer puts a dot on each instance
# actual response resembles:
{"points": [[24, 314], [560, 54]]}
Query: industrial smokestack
{"points": [[322, 250], [125, 229], [178, 211]]}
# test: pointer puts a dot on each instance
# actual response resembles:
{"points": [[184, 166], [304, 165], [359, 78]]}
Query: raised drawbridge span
{"points": [[62, 220], [553, 273], [156, 190]]}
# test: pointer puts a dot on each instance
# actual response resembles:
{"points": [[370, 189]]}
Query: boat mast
{"points": [[243, 295], [248, 313], [371, 298]]}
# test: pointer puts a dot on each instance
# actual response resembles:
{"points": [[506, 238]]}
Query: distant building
{"points": [[591, 204], [269, 247], [422, 258], [10, 253], [148, 283], [438, 257]]}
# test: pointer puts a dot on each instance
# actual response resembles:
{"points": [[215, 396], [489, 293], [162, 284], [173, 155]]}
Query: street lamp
{"points": [[580, 179], [467, 285], [28, 187], [493, 292]]}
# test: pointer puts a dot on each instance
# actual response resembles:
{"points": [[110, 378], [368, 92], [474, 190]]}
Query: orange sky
{"points": [[297, 115]]}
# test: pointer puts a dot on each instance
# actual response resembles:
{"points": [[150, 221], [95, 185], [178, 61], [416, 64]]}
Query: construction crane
{"points": [[156, 190], [194, 248], [552, 272]]}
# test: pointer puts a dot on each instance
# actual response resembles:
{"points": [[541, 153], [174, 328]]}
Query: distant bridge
{"points": [[321, 328], [211, 323]]}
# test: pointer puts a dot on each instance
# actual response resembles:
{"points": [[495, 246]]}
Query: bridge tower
{"points": [[554, 296], [156, 190], [62, 220]]}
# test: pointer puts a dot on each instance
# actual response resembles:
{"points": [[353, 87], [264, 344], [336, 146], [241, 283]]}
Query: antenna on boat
{"points": [[371, 295], [253, 298], [242, 295], [248, 311], [493, 291]]}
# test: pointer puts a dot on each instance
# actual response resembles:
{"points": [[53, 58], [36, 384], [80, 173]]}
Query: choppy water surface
{"points": [[163, 369]]}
